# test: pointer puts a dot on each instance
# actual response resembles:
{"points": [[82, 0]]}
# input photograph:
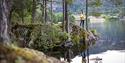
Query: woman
{"points": [[82, 19]]}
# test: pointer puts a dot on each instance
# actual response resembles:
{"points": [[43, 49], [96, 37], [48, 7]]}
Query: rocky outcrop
{"points": [[13, 54]]}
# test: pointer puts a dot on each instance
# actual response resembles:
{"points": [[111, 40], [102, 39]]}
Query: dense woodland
{"points": [[34, 24]]}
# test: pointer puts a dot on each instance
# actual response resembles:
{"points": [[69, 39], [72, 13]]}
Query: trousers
{"points": [[82, 23]]}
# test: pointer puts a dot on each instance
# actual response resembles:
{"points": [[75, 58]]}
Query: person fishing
{"points": [[82, 19]]}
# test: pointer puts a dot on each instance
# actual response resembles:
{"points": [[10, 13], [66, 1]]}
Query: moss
{"points": [[13, 54], [80, 38]]}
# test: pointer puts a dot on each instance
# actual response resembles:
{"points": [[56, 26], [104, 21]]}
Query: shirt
{"points": [[82, 17]]}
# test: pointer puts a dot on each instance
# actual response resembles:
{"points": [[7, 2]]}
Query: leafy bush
{"points": [[47, 37]]}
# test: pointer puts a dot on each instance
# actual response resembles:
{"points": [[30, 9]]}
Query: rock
{"points": [[13, 54]]}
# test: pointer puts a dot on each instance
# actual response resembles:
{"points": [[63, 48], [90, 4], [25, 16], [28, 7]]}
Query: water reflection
{"points": [[111, 34], [112, 41], [112, 30]]}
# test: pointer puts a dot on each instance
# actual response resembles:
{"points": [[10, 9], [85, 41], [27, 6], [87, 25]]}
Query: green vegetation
{"points": [[34, 24], [48, 38]]}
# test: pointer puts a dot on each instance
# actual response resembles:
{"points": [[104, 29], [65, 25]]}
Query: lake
{"points": [[110, 56], [111, 45]]}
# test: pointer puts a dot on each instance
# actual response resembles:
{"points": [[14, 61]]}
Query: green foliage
{"points": [[58, 17], [21, 9], [71, 18], [80, 36], [77, 35], [94, 32], [44, 37], [96, 14], [95, 3], [47, 37], [69, 1]]}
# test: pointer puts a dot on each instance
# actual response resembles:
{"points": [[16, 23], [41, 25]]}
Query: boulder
{"points": [[13, 54]]}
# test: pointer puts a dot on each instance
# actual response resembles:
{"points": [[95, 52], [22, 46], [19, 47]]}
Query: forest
{"points": [[32, 26]]}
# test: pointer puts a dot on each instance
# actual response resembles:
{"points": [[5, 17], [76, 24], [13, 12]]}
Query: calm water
{"points": [[110, 44], [110, 56], [111, 31], [112, 36]]}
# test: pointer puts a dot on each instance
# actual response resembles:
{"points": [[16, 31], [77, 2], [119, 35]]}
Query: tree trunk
{"points": [[33, 10], [22, 15], [63, 23], [45, 11], [5, 7], [66, 16], [51, 11]]}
